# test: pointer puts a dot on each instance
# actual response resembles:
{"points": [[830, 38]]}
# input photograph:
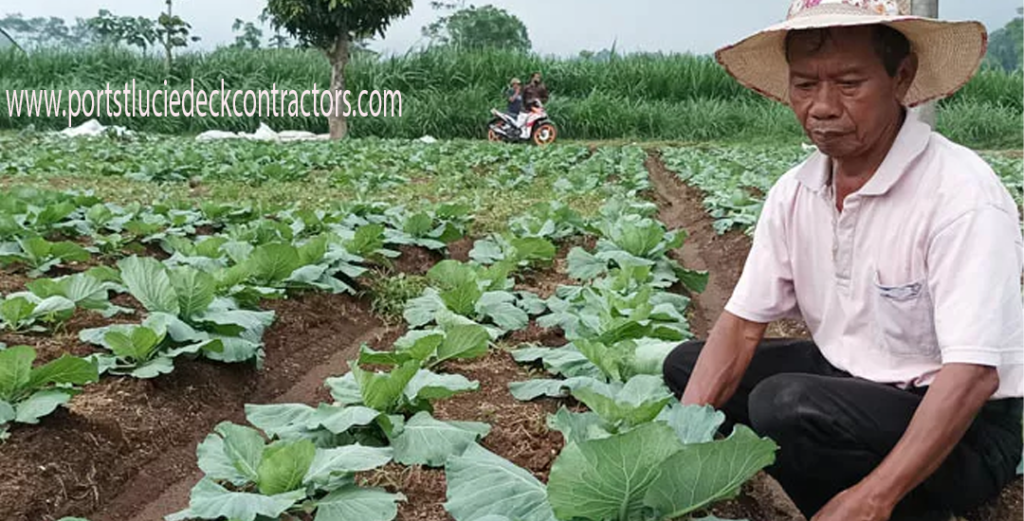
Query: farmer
{"points": [[901, 251]]}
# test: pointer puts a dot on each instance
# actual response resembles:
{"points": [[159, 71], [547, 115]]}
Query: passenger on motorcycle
{"points": [[515, 102]]}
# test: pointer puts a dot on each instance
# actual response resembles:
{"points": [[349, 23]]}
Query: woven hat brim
{"points": [[949, 54]]}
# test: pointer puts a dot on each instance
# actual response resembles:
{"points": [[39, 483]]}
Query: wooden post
{"points": [[929, 9]]}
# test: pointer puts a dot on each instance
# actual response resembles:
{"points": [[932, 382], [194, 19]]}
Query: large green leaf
{"points": [[284, 420], [552, 388], [692, 423], [382, 391], [608, 478], [450, 273], [284, 466], [354, 503], [500, 307], [16, 312], [244, 447], [694, 280], [427, 385], [482, 484], [583, 265], [153, 368], [137, 344], [469, 341], [649, 356], [345, 389], [148, 282], [7, 414], [212, 501], [638, 401], [422, 310], [40, 404], [340, 419], [702, 473], [344, 460], [15, 369], [565, 361], [215, 463], [65, 370], [428, 441], [420, 344], [194, 288], [55, 306], [462, 298], [577, 427], [533, 249], [273, 262]]}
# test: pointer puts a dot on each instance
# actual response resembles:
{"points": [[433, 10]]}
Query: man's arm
{"points": [[723, 360], [950, 405]]}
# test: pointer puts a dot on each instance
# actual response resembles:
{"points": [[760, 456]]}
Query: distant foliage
{"points": [[447, 93], [479, 28], [1006, 45]]}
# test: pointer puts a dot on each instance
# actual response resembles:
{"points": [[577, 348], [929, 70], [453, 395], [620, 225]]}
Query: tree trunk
{"points": [[167, 42], [339, 59]]}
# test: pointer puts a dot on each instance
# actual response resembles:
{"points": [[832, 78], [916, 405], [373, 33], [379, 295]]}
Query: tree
{"points": [[479, 27], [110, 29], [1006, 45], [173, 32], [39, 31], [331, 25], [250, 37]]}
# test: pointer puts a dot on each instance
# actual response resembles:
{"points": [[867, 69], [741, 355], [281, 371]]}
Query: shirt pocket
{"points": [[903, 319]]}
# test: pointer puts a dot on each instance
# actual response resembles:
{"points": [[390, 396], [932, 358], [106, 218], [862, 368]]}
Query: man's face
{"points": [[841, 92], [535, 78]]}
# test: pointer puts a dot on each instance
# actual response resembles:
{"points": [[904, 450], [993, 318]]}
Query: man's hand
{"points": [[855, 504], [946, 412]]}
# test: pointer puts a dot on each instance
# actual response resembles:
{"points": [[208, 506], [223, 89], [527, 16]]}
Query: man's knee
{"points": [[783, 403], [679, 364]]}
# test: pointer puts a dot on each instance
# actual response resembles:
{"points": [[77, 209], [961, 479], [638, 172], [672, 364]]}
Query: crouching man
{"points": [[901, 251]]}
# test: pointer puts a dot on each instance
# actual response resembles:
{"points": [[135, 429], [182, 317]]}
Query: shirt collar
{"points": [[816, 173]]}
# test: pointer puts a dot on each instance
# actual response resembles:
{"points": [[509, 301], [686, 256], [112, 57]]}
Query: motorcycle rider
{"points": [[535, 91]]}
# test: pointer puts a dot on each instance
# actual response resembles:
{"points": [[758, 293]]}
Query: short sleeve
{"points": [[765, 290], [974, 277]]}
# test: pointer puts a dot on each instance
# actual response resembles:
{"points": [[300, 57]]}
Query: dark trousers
{"points": [[834, 429]]}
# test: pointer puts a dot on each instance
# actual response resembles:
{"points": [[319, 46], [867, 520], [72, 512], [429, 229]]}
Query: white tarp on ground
{"points": [[94, 128], [263, 133]]}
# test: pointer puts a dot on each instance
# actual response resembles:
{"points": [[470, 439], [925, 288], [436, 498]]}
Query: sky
{"points": [[559, 27]]}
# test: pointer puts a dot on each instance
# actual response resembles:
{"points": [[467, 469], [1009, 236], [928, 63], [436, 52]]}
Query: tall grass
{"points": [[448, 93]]}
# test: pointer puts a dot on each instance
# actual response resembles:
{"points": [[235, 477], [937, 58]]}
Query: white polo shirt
{"points": [[923, 266]]}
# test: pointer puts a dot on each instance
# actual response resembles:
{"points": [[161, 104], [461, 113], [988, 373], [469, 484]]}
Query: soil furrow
{"points": [[123, 441]]}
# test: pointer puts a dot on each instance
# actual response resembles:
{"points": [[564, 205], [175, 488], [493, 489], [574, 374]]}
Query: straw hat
{"points": [[948, 53]]}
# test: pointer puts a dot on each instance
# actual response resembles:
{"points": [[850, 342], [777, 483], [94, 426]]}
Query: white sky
{"points": [[555, 26]]}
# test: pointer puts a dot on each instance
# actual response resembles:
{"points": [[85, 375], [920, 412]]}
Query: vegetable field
{"points": [[372, 329]]}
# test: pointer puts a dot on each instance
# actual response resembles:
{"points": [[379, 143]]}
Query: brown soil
{"points": [[123, 442], [544, 281], [518, 431], [459, 250], [415, 260]]}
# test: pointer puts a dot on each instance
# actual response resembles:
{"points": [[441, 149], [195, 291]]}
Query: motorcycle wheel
{"points": [[493, 136], [545, 133]]}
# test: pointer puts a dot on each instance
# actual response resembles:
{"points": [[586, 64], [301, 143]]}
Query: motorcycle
{"points": [[537, 127]]}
